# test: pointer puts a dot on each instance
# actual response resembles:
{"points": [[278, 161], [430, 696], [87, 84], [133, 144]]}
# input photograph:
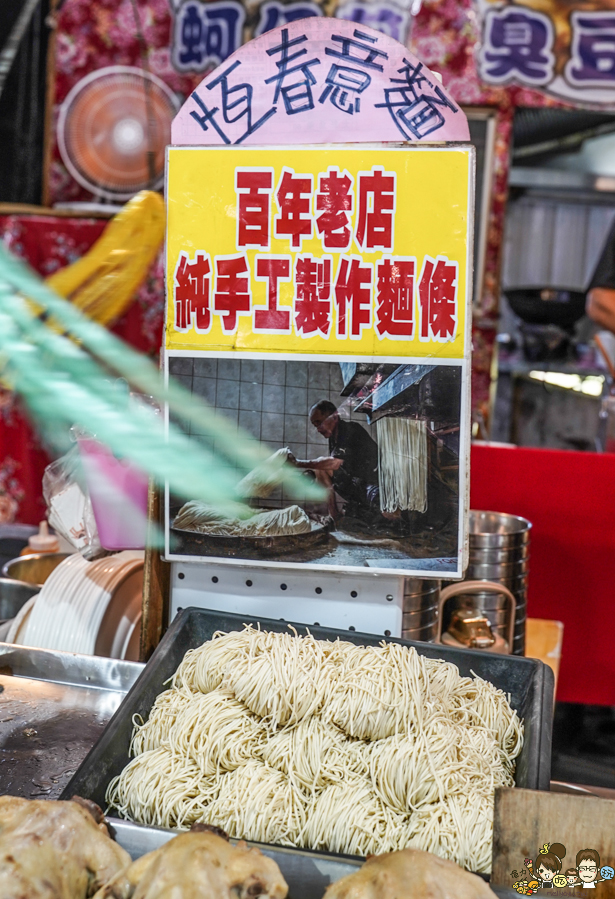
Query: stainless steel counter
{"points": [[307, 874], [53, 708]]}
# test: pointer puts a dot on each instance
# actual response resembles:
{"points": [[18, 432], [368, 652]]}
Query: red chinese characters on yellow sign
{"points": [[314, 294], [315, 254]]}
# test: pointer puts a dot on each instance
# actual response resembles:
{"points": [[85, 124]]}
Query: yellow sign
{"points": [[343, 251]]}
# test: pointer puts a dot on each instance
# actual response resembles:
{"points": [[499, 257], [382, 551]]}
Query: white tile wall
{"points": [[271, 399]]}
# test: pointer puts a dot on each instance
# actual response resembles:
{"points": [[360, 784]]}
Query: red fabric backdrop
{"points": [[49, 243], [569, 498]]}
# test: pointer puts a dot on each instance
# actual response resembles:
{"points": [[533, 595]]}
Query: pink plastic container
{"points": [[118, 491]]}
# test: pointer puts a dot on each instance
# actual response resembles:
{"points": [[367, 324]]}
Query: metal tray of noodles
{"points": [[248, 547], [528, 681]]}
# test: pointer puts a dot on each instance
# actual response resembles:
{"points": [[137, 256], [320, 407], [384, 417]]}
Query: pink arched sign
{"points": [[319, 81]]}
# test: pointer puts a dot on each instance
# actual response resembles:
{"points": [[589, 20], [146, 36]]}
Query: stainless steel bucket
{"points": [[419, 618], [462, 593], [512, 570], [420, 610], [499, 556], [13, 595], [34, 568], [499, 552], [427, 634], [497, 530]]}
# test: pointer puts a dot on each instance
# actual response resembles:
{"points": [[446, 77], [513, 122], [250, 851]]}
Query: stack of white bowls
{"points": [[86, 607]]}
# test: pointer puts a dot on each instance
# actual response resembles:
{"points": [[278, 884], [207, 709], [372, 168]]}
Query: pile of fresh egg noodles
{"points": [[308, 743]]}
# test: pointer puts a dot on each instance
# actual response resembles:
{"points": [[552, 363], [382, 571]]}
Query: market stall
{"points": [[395, 462], [318, 298]]}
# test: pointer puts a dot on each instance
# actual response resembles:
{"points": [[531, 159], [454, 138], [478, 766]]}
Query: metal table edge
{"points": [[72, 669]]}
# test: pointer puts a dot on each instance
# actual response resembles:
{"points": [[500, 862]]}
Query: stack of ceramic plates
{"points": [[86, 607], [17, 625]]}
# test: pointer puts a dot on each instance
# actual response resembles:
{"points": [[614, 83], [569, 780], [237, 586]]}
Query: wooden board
{"points": [[524, 820], [543, 640], [156, 582]]}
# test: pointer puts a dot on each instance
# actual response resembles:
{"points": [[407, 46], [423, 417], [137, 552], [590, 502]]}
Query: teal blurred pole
{"points": [[62, 366]]}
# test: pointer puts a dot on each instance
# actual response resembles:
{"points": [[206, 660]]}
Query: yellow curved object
{"points": [[104, 281]]}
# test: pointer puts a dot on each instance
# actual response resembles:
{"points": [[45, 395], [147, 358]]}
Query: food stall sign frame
{"points": [[237, 257], [325, 78]]}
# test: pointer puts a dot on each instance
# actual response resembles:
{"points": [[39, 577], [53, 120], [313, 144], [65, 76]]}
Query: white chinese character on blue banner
{"points": [[274, 14], [517, 46], [592, 56], [205, 34], [385, 17]]}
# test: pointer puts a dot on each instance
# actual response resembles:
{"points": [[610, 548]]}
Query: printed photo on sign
{"points": [[384, 439]]}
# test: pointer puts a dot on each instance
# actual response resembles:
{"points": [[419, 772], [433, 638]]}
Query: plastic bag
{"points": [[69, 508]]}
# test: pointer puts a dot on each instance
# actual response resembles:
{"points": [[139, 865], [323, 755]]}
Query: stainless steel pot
{"points": [[488, 601], [499, 617], [475, 602], [420, 610], [512, 583], [479, 571], [471, 588], [34, 568], [497, 530], [424, 634], [415, 585], [420, 617], [499, 556], [13, 596], [413, 603]]}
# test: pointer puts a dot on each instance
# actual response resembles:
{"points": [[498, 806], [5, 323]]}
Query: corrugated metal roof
{"points": [[533, 126], [539, 134]]}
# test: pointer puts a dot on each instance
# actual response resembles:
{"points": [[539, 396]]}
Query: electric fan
{"points": [[113, 128]]}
